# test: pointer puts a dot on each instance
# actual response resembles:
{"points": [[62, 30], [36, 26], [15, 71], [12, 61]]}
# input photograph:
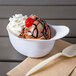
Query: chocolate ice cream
{"points": [[39, 29]]}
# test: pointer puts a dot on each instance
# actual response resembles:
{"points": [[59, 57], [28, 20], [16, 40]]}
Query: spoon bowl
{"points": [[70, 51]]}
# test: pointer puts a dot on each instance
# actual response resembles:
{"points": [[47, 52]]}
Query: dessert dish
{"points": [[32, 27], [32, 36]]}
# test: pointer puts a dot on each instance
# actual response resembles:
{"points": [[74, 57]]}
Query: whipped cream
{"points": [[17, 23]]}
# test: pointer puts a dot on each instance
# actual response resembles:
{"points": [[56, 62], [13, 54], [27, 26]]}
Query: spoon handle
{"points": [[43, 63]]}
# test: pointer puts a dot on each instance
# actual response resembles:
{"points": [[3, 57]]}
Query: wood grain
{"points": [[71, 40], [70, 23], [6, 66], [51, 12], [37, 2]]}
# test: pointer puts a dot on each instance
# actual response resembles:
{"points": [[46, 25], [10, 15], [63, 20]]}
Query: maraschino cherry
{"points": [[29, 21]]}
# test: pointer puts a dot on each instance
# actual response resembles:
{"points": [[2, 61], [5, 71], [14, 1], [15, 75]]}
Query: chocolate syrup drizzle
{"points": [[36, 31], [44, 31]]}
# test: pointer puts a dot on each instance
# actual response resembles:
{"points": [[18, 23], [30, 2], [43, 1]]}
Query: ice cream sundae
{"points": [[32, 27], [32, 36]]}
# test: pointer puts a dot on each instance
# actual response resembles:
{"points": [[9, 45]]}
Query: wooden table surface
{"points": [[56, 12]]}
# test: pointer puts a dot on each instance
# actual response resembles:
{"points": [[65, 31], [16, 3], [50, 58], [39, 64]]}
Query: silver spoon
{"points": [[68, 52]]}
